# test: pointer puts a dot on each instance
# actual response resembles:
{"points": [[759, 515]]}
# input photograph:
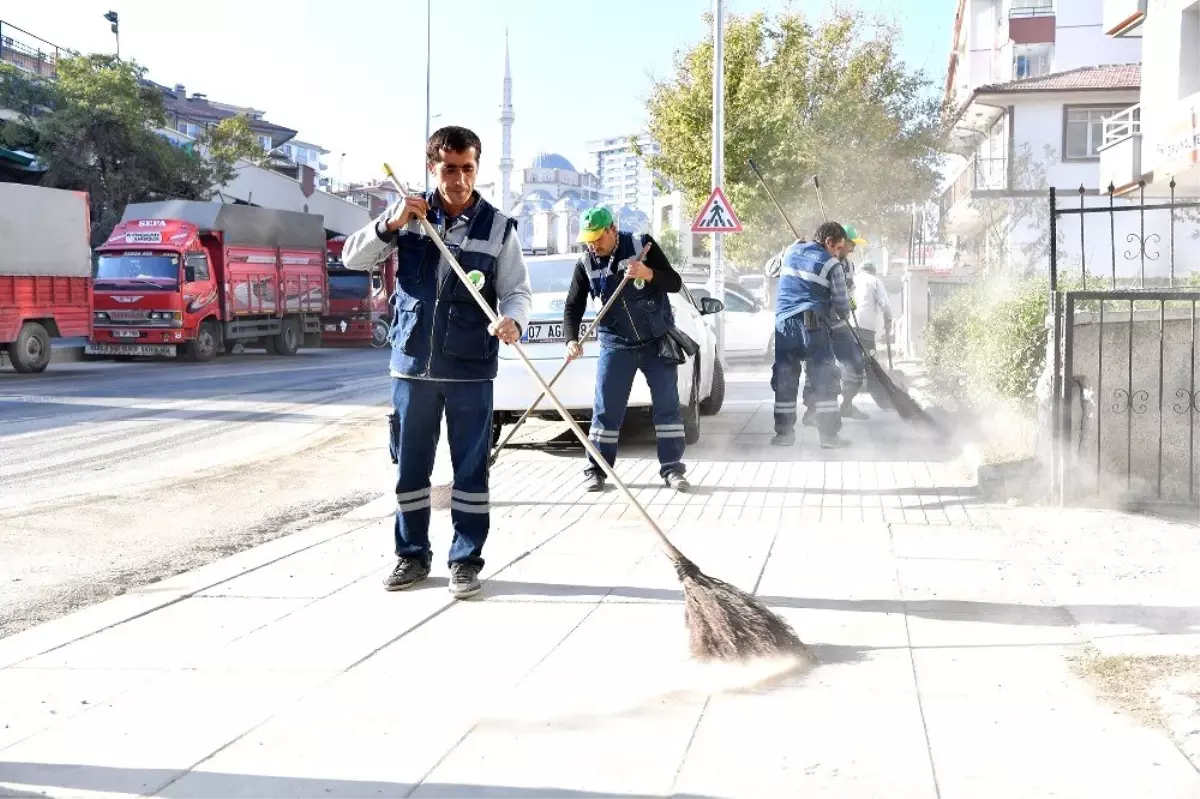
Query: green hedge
{"points": [[987, 342]]}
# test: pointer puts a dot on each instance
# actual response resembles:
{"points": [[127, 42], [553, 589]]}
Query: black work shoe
{"points": [[464, 580], [783, 440], [835, 442], [408, 572], [850, 412], [593, 482], [678, 482]]}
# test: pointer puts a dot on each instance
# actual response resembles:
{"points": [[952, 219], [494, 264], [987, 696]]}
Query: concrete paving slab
{"points": [[974, 670], [141, 740], [1056, 745], [170, 637]]}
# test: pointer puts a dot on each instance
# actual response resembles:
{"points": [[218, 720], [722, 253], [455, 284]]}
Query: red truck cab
{"points": [[358, 301], [45, 272], [197, 277]]}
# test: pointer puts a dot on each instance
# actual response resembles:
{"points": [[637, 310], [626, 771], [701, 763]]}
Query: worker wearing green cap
{"points": [[845, 347], [629, 335]]}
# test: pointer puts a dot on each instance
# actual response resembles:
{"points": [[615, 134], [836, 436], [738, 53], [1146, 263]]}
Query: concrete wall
{"points": [[1107, 369], [1080, 37]]}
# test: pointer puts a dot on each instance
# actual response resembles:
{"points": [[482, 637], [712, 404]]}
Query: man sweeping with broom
{"points": [[812, 299], [444, 351]]}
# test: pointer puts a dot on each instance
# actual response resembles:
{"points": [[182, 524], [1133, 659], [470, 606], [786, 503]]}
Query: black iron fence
{"points": [[1125, 406]]}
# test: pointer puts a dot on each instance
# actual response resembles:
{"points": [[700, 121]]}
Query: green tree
{"points": [[95, 127], [802, 99], [668, 241]]}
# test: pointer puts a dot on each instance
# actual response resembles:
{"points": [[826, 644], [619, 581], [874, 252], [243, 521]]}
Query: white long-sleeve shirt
{"points": [[874, 307]]}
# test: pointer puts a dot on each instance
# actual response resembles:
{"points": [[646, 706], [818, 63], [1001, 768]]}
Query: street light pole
{"points": [[428, 74], [717, 267]]}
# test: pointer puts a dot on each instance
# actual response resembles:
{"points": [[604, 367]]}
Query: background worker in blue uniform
{"points": [[444, 350], [812, 298], [845, 349], [629, 336]]}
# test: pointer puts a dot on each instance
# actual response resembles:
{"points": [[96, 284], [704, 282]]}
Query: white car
{"points": [[749, 325], [701, 379]]}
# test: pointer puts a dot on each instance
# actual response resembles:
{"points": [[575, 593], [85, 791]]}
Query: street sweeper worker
{"points": [[444, 350], [812, 299], [845, 349], [874, 318], [630, 336]]}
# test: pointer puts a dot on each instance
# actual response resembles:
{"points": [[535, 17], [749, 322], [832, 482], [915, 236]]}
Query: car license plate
{"points": [[127, 333], [549, 332], [167, 350]]}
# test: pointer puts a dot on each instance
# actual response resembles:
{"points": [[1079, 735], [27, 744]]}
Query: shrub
{"points": [[987, 344]]}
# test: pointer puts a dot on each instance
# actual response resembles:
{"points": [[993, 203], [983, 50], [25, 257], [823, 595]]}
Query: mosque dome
{"points": [[569, 202], [552, 161]]}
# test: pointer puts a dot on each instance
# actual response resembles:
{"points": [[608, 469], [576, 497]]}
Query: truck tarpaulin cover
{"points": [[44, 232], [241, 225]]}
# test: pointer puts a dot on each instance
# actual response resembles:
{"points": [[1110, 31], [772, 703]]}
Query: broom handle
{"points": [[674, 553], [595, 324]]}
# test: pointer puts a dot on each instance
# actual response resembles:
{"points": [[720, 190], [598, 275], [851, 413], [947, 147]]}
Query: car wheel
{"points": [[716, 398], [691, 412]]}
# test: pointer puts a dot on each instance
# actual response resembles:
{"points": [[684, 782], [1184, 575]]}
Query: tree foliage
{"points": [[829, 99], [95, 127]]}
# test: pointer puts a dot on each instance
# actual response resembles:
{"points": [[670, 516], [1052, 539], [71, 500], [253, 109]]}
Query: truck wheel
{"points": [[288, 340], [31, 351], [204, 348]]}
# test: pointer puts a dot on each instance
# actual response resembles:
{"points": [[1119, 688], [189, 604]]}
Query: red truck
{"points": [[45, 271], [199, 277], [358, 301]]}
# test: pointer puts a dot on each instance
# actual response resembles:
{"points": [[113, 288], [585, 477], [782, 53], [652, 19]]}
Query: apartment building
{"points": [[1156, 139], [1029, 87], [625, 179]]}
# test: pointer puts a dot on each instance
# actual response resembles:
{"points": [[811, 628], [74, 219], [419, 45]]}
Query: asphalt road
{"points": [[114, 475]]}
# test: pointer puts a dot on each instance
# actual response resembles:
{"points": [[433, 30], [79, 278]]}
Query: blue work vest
{"points": [[804, 283], [640, 315], [438, 330]]}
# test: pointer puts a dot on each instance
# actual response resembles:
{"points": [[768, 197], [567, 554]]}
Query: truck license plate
{"points": [[167, 350], [127, 333]]}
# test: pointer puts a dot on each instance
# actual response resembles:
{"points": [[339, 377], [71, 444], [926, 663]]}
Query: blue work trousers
{"points": [[615, 372], [850, 358], [468, 407], [797, 346]]}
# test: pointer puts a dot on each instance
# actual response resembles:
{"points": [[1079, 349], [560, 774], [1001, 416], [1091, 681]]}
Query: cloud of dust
{"points": [[625, 688]]}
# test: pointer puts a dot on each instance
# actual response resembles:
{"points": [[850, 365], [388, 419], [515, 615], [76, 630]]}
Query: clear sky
{"points": [[350, 75]]}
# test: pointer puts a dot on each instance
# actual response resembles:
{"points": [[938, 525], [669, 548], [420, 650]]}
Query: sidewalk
{"points": [[942, 640]]}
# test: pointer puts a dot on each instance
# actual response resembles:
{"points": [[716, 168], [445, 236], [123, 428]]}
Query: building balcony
{"points": [[25, 51], [983, 178], [1032, 24], [1121, 151], [1124, 17]]}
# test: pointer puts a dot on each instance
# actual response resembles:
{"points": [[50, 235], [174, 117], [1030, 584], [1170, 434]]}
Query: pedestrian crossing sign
{"points": [[717, 215]]}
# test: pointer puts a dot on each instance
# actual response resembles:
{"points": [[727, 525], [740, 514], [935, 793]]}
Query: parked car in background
{"points": [[701, 379], [755, 286], [749, 325]]}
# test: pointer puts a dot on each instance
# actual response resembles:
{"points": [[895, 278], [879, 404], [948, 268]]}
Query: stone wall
{"points": [[1123, 423]]}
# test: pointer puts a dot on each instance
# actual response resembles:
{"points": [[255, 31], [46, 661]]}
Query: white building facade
{"points": [[625, 178], [1031, 86], [1156, 139]]}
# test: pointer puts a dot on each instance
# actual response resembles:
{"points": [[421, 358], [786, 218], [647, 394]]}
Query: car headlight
{"points": [[165, 316]]}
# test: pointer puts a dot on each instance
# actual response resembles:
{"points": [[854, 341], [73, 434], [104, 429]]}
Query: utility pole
{"points": [[717, 266], [112, 17], [428, 74]]}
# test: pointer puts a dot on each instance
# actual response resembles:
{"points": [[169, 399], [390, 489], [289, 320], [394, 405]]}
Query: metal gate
{"points": [[1125, 407]]}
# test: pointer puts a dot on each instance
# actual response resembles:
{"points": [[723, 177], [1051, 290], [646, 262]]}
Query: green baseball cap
{"points": [[593, 223], [852, 235]]}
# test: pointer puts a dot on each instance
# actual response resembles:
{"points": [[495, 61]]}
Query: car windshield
{"points": [[551, 275], [149, 269], [349, 285]]}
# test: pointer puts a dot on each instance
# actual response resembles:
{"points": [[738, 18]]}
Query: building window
{"points": [[1083, 132], [1032, 60]]}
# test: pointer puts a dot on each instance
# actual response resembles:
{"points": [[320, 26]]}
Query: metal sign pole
{"points": [[717, 266]]}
